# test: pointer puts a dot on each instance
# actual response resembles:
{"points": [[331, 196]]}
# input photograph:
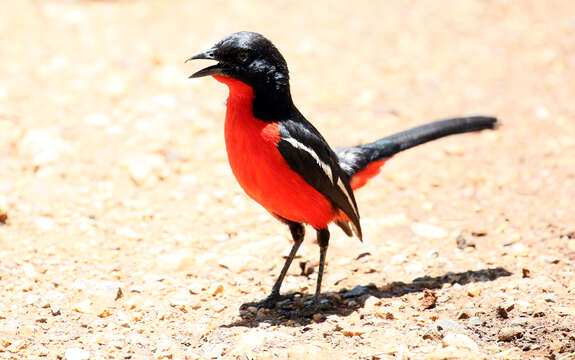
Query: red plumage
{"points": [[361, 177], [259, 167], [282, 161]]}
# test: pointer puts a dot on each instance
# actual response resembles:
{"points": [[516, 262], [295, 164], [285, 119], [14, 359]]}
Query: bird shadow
{"points": [[345, 301]]}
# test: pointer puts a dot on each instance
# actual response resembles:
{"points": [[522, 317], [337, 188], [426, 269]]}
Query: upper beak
{"points": [[210, 70]]}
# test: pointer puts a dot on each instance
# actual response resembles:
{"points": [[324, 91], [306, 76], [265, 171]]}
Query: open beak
{"points": [[210, 70]]}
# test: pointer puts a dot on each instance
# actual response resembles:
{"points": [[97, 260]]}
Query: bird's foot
{"points": [[269, 302], [309, 309]]}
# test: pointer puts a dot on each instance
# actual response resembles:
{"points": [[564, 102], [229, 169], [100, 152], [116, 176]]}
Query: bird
{"points": [[283, 162]]}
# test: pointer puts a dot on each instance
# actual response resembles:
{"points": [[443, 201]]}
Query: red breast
{"points": [[260, 169]]}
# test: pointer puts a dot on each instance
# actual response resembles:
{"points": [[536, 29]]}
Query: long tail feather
{"points": [[363, 162], [438, 129]]}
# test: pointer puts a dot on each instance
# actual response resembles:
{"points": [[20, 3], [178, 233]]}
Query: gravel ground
{"points": [[124, 235]]}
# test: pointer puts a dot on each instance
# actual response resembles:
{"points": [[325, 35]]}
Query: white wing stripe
{"points": [[344, 190], [327, 170], [325, 167]]}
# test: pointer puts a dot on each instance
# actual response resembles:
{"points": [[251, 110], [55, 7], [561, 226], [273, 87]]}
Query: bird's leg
{"points": [[298, 233], [323, 241]]}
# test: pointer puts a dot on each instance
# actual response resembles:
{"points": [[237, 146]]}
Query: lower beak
{"points": [[210, 70]]}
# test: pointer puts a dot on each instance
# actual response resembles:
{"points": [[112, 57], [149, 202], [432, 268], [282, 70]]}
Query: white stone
{"points": [[76, 354], [428, 231], [42, 146], [460, 341]]}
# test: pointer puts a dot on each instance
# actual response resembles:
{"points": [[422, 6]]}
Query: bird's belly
{"points": [[265, 176]]}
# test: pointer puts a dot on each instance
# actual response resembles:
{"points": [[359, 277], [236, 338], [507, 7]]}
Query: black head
{"points": [[250, 58]]}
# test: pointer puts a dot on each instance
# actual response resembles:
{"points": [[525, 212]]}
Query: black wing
{"points": [[308, 154]]}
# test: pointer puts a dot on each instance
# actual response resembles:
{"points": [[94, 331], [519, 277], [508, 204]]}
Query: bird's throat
{"points": [[238, 89], [268, 104]]}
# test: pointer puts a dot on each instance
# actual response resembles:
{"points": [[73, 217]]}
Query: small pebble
{"points": [[104, 313], [371, 302], [31, 298], [508, 305], [428, 231], [219, 307], [475, 321], [318, 317], [519, 250], [510, 333], [448, 325], [538, 313], [353, 331], [429, 299], [44, 223], [26, 331], [137, 289], [5, 342], [549, 297], [3, 210], [42, 350], [385, 315], [551, 260], [83, 307], [145, 168], [565, 310], [306, 267], [464, 240], [54, 310], [365, 252], [521, 321], [462, 315], [502, 311], [76, 354], [123, 319], [460, 341], [523, 306], [432, 334], [216, 289], [511, 354], [398, 259], [117, 344], [474, 291], [42, 147], [355, 292]]}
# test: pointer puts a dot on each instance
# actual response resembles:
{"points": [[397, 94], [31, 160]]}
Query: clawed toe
{"points": [[269, 302]]}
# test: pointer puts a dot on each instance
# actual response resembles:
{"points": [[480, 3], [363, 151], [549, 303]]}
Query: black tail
{"points": [[355, 158]]}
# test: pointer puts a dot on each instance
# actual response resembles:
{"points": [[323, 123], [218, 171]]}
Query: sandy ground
{"points": [[127, 237]]}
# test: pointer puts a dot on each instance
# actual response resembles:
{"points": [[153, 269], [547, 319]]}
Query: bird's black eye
{"points": [[243, 56]]}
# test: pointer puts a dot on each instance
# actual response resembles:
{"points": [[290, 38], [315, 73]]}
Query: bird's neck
{"points": [[267, 103]]}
